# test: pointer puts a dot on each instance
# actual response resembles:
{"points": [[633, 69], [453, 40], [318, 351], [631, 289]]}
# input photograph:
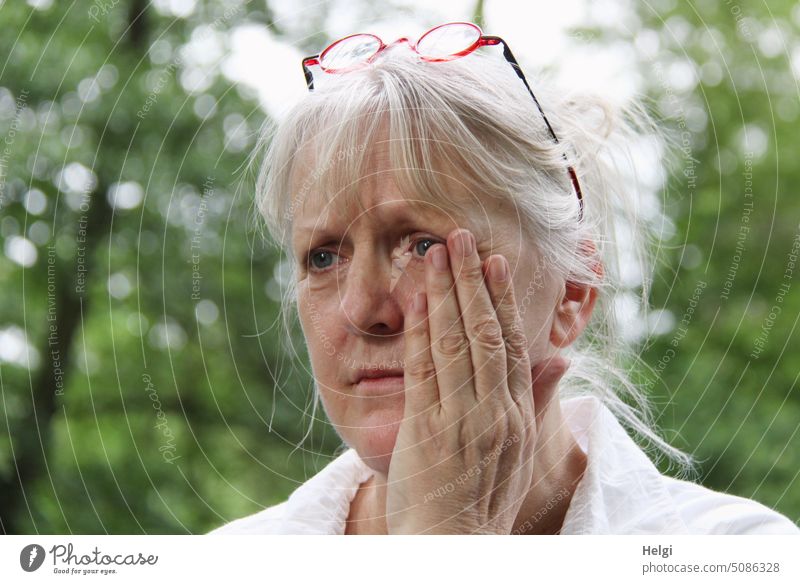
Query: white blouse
{"points": [[621, 492]]}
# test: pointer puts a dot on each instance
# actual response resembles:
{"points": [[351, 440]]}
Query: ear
{"points": [[576, 304], [572, 313]]}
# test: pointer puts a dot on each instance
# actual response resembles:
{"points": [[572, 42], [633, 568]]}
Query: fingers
{"points": [[419, 375], [449, 342], [475, 332], [480, 322], [501, 291]]}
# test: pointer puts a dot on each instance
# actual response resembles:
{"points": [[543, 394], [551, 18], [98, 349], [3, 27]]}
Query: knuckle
{"points": [[508, 306], [452, 345], [516, 422], [471, 273], [440, 287], [430, 431], [473, 436], [516, 343], [486, 331], [436, 430], [510, 299], [493, 373], [514, 436], [497, 432]]}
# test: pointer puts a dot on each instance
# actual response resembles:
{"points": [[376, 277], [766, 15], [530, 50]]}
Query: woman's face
{"points": [[355, 275]]}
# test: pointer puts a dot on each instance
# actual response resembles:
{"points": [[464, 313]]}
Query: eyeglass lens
{"points": [[350, 51], [447, 40], [442, 41]]}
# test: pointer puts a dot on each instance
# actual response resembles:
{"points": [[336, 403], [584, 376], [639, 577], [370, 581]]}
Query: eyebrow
{"points": [[303, 240], [398, 217]]}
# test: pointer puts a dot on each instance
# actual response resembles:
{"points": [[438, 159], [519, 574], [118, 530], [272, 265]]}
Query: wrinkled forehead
{"points": [[344, 182]]}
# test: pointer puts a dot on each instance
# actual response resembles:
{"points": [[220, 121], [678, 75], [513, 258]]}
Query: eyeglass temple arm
{"points": [[307, 62], [509, 56]]}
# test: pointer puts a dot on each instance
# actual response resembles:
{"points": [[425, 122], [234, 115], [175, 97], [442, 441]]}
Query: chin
{"points": [[374, 435]]}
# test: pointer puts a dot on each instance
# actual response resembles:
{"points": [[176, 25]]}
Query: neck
{"points": [[557, 475], [558, 472]]}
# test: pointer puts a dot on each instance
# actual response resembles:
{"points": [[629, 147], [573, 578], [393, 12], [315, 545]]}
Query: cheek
{"points": [[535, 307], [322, 330]]}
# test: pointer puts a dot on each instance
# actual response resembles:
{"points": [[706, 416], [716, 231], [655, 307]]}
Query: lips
{"points": [[381, 384], [377, 373]]}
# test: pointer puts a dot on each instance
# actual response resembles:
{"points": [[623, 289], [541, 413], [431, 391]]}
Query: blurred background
{"points": [[143, 386]]}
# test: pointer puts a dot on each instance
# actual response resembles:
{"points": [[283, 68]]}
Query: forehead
{"points": [[378, 204], [324, 193], [387, 184]]}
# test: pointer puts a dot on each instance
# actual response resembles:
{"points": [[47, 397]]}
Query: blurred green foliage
{"points": [[123, 169], [730, 391]]}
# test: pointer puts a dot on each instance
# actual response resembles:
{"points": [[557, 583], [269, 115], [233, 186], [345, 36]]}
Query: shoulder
{"points": [[622, 491], [262, 522], [705, 511], [318, 506]]}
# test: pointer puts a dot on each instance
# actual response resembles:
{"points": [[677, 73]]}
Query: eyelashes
{"points": [[408, 249]]}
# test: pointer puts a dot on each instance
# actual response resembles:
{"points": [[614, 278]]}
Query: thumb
{"points": [[545, 376]]}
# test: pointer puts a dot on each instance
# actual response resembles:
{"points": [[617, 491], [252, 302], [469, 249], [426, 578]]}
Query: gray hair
{"points": [[472, 118]]}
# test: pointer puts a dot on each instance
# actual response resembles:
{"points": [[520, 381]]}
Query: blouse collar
{"points": [[621, 490]]}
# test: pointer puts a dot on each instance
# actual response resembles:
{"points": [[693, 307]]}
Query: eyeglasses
{"points": [[442, 43]]}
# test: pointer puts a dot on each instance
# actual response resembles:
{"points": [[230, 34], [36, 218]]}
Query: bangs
{"points": [[440, 148], [343, 161]]}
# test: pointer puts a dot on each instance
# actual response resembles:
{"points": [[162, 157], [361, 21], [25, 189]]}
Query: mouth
{"points": [[380, 381], [377, 372]]}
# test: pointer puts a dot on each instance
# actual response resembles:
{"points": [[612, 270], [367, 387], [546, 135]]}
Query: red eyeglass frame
{"points": [[481, 41]]}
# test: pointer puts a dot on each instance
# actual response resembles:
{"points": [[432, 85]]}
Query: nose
{"points": [[372, 306]]}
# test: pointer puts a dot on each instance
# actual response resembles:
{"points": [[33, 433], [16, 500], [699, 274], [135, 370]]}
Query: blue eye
{"points": [[325, 259], [320, 260], [423, 245]]}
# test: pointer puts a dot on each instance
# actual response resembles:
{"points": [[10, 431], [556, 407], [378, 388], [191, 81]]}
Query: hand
{"points": [[463, 461]]}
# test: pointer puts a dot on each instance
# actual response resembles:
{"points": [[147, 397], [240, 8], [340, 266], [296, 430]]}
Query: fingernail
{"points": [[498, 269], [464, 243], [439, 258]]}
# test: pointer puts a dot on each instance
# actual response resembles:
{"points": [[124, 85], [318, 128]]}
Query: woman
{"points": [[450, 247]]}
